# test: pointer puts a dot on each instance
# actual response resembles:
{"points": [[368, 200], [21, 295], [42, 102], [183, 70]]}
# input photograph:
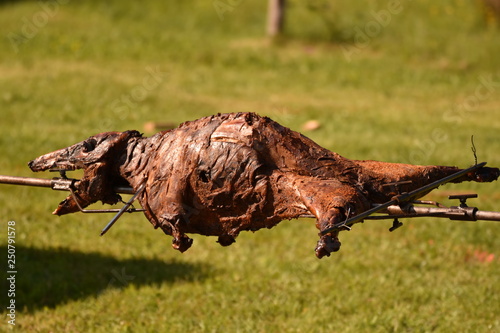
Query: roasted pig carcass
{"points": [[223, 174]]}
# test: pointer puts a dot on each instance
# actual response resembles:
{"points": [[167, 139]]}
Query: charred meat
{"points": [[220, 175]]}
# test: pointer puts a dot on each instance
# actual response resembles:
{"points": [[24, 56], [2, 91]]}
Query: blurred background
{"points": [[398, 81]]}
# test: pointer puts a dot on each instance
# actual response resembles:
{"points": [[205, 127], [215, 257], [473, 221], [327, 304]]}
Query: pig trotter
{"points": [[485, 175], [327, 244], [226, 240], [182, 243]]}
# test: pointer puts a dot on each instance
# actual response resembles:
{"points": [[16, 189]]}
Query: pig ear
{"points": [[108, 146]]}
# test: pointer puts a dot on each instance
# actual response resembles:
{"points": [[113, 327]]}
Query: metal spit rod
{"points": [[60, 184]]}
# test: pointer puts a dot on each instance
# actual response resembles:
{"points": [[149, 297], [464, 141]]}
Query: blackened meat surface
{"points": [[220, 175]]}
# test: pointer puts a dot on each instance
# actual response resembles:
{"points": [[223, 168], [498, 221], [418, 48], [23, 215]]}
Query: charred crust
{"points": [[222, 174]]}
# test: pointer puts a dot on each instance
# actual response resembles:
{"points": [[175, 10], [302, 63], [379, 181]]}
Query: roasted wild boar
{"points": [[223, 174]]}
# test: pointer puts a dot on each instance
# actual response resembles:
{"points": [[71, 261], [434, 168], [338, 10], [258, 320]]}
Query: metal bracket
{"points": [[62, 172], [343, 225], [62, 184], [463, 198], [395, 224], [125, 208], [463, 213], [92, 211]]}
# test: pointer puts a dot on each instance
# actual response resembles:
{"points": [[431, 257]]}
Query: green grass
{"points": [[413, 94]]}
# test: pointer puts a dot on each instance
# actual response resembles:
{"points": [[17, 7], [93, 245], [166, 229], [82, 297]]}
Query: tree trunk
{"points": [[275, 17]]}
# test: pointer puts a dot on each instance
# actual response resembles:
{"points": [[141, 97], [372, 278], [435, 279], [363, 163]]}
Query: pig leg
{"points": [[331, 202]]}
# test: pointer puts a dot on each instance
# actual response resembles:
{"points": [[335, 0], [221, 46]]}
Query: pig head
{"points": [[97, 156]]}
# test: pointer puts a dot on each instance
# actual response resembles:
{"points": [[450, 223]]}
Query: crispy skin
{"points": [[220, 175]]}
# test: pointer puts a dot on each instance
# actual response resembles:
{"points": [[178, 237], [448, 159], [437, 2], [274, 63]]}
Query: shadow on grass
{"points": [[49, 277]]}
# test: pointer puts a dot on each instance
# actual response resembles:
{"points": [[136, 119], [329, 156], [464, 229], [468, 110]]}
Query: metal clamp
{"points": [[124, 209], [395, 224], [463, 198]]}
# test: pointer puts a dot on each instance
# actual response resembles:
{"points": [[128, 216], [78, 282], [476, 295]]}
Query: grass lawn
{"points": [[400, 81]]}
